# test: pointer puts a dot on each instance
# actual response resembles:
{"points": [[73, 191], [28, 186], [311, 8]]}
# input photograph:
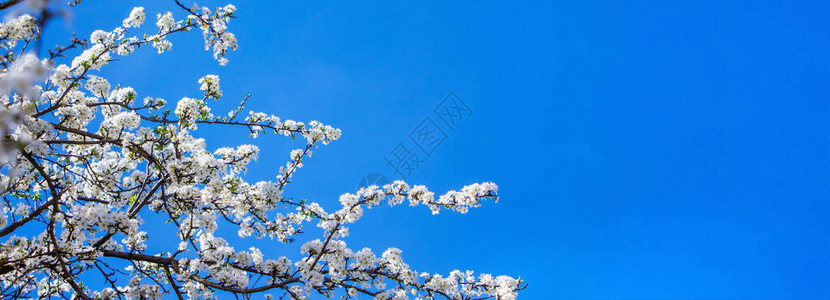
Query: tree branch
{"points": [[8, 4]]}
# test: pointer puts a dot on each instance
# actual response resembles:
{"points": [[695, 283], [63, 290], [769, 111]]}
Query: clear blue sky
{"points": [[644, 150]]}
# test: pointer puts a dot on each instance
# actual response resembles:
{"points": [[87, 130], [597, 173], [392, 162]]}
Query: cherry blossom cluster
{"points": [[22, 28], [85, 161]]}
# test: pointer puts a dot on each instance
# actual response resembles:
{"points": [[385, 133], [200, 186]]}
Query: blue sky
{"points": [[644, 149]]}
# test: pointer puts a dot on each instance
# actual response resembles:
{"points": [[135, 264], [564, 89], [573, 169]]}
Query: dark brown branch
{"points": [[164, 261], [55, 197], [9, 3]]}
